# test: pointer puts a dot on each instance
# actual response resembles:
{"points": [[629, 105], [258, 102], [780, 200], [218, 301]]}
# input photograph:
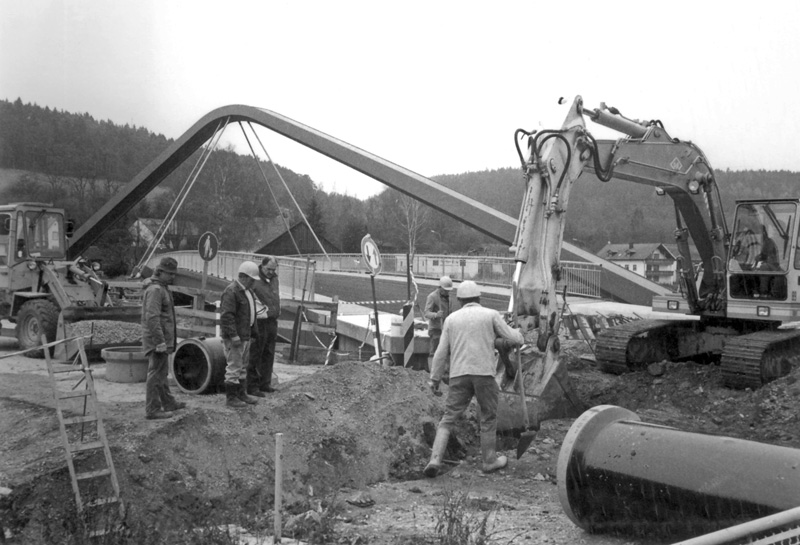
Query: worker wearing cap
{"points": [[467, 347], [158, 340], [237, 318], [268, 308], [437, 308]]}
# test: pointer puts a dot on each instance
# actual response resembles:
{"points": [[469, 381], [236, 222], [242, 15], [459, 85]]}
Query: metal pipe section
{"points": [[618, 474]]}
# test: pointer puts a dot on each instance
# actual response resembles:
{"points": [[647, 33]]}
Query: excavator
{"points": [[734, 307]]}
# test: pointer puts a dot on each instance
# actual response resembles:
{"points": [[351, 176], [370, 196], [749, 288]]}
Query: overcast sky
{"points": [[437, 87]]}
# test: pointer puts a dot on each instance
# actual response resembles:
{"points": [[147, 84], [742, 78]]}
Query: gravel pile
{"points": [[105, 332]]}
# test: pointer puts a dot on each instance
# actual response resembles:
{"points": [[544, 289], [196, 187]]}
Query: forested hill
{"points": [[79, 163], [619, 211]]}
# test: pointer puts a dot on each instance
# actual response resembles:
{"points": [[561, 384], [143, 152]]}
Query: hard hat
{"points": [[446, 283], [249, 268], [468, 290]]}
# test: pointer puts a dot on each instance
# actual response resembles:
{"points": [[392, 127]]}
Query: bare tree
{"points": [[412, 216]]}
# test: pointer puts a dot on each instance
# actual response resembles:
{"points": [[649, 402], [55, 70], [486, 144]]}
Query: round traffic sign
{"points": [[208, 245], [372, 256]]}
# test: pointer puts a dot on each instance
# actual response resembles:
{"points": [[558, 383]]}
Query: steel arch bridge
{"points": [[617, 282]]}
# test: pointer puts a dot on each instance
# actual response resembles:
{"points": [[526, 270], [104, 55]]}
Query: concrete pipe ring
{"points": [[198, 365]]}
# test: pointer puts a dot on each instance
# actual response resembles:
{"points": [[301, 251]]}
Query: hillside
{"points": [[80, 161]]}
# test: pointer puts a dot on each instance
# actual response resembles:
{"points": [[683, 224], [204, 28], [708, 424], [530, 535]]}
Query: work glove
{"points": [[161, 348], [434, 386]]}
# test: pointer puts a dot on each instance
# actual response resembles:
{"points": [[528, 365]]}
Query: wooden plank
{"points": [[196, 331]]}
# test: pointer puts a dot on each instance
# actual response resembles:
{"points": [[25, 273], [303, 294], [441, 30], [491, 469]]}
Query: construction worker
{"points": [[437, 307], [262, 350], [158, 340], [467, 347], [237, 318]]}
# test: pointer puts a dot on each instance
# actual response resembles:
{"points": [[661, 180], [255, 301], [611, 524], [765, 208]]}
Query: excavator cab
{"points": [[763, 244]]}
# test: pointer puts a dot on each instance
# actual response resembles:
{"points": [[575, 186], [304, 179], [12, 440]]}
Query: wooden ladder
{"points": [[82, 431]]}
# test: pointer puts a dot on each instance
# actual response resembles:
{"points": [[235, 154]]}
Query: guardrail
{"points": [[296, 275], [581, 279]]}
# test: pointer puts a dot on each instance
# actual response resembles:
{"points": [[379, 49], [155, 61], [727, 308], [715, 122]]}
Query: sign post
{"points": [[372, 259], [207, 246]]}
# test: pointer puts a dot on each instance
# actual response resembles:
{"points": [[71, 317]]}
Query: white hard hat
{"points": [[249, 268], [468, 290], [446, 283]]}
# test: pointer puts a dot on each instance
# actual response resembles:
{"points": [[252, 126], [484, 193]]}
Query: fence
{"points": [[581, 279], [296, 275]]}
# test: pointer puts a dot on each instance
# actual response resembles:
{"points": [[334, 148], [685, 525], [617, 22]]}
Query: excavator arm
{"points": [[645, 154]]}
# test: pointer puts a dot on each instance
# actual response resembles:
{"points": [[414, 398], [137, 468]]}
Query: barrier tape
{"points": [[387, 302]]}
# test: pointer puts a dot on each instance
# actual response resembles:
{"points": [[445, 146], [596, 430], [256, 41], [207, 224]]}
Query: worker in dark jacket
{"points": [[437, 308], [237, 317], [262, 349], [158, 340]]}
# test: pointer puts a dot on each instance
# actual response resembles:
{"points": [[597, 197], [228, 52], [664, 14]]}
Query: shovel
{"points": [[527, 436]]}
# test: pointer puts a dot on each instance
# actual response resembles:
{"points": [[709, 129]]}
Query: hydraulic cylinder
{"points": [[618, 474]]}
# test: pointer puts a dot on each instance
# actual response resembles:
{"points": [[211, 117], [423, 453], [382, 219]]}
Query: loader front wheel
{"points": [[36, 318]]}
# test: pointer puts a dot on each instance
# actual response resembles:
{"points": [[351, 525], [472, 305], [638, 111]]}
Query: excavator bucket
{"points": [[548, 395], [101, 327]]}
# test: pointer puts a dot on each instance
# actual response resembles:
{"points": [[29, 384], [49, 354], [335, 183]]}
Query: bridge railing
{"points": [[296, 275], [581, 279]]}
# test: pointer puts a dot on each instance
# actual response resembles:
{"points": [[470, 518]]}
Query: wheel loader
{"points": [[45, 294]]}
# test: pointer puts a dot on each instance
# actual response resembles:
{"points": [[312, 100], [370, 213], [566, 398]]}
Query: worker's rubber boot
{"points": [[254, 390], [232, 395], [242, 392], [437, 452], [491, 461]]}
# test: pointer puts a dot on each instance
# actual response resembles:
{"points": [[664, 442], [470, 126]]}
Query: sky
{"points": [[438, 87]]}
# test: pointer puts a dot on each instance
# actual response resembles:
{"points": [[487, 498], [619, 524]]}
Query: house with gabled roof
{"points": [[652, 260]]}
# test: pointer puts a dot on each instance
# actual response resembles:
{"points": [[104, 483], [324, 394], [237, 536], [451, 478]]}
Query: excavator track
{"points": [[749, 361], [620, 349]]}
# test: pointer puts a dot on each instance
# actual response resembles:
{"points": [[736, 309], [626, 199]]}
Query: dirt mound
{"points": [[348, 425]]}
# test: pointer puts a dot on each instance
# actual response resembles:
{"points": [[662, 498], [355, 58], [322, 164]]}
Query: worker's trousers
{"points": [[262, 354], [236, 356], [157, 395], [462, 389]]}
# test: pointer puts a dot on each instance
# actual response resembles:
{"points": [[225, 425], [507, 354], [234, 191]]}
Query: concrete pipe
{"points": [[618, 474], [198, 365]]}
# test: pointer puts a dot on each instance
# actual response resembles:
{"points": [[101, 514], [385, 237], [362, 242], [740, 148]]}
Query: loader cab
{"points": [[763, 261], [39, 233], [5, 232]]}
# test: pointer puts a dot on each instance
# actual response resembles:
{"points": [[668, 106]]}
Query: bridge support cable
{"points": [[181, 197], [269, 187], [286, 186]]}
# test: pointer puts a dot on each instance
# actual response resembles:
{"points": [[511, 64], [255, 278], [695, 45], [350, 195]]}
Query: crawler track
{"points": [[622, 348], [749, 361]]}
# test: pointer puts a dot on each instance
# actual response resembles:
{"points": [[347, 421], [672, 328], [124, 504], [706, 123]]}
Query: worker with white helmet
{"points": [[237, 317], [437, 308], [467, 347]]}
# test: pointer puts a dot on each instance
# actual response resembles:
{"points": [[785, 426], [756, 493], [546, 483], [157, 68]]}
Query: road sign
{"points": [[208, 246], [372, 256]]}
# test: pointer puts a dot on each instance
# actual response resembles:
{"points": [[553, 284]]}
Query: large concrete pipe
{"points": [[198, 365], [618, 474]]}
